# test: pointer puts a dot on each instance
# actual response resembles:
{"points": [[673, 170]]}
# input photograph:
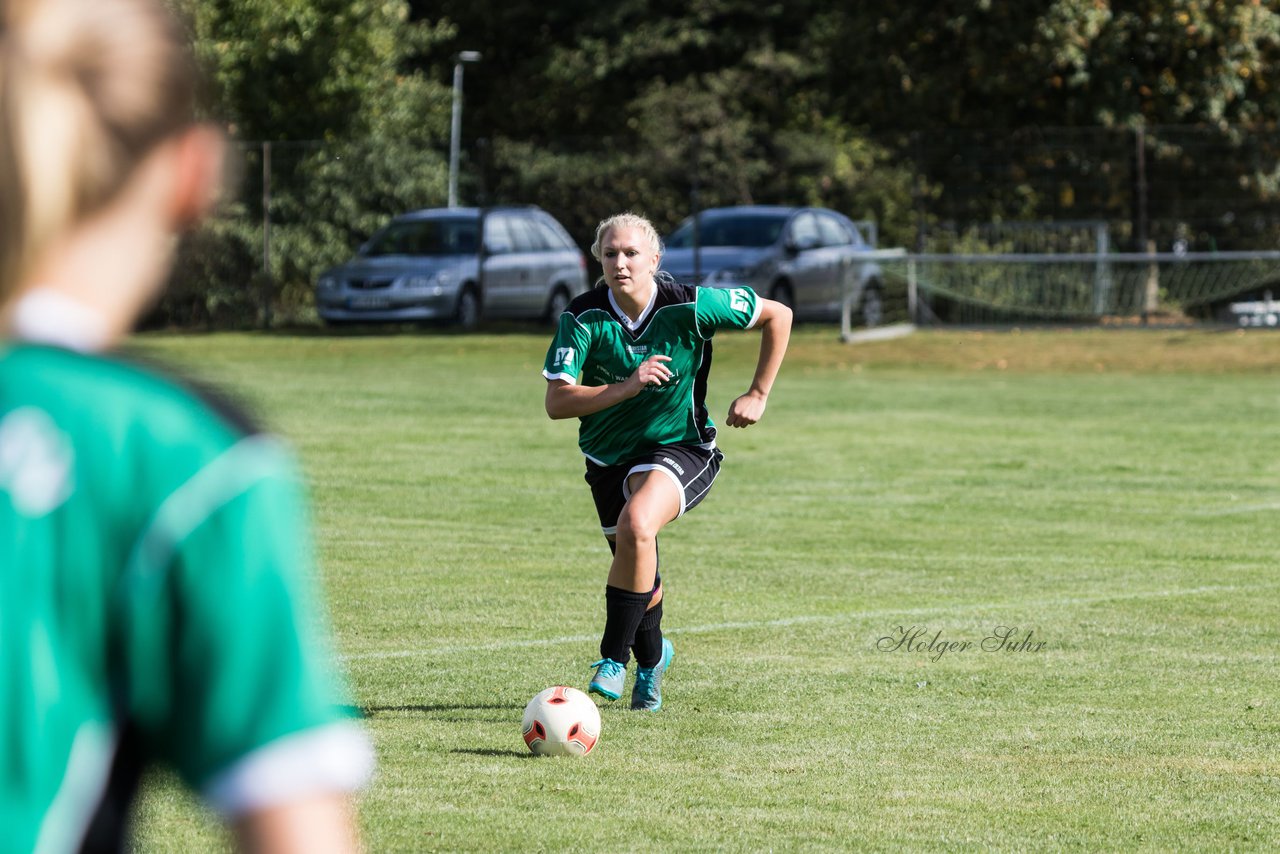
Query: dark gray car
{"points": [[434, 265], [807, 258]]}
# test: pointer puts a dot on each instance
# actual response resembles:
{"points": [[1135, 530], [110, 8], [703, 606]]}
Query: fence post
{"points": [[1151, 298], [1102, 269], [1140, 185], [695, 202], [264, 290], [912, 293], [917, 191]]}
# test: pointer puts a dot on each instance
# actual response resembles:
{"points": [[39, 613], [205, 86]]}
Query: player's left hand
{"points": [[746, 410]]}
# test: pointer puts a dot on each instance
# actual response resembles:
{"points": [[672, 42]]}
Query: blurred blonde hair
{"points": [[87, 89], [626, 220]]}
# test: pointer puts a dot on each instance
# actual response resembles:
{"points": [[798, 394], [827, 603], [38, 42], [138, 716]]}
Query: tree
{"points": [[641, 103], [357, 134], [983, 64]]}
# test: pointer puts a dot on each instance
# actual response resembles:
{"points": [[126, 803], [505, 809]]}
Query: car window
{"points": [[524, 235], [804, 231], [752, 231], [388, 241], [860, 236], [833, 231], [552, 237], [497, 235], [424, 237], [466, 237]]}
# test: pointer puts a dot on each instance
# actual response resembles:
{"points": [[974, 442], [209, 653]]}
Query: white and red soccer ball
{"points": [[561, 721]]}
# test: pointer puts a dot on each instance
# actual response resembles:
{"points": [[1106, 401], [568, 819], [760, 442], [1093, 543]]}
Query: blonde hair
{"points": [[87, 89], [626, 220]]}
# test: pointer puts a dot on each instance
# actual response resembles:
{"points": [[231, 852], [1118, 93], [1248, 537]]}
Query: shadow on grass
{"points": [[374, 711], [458, 713], [490, 751]]}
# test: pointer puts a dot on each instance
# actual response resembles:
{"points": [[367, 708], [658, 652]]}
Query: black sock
{"points": [[623, 611], [648, 645]]}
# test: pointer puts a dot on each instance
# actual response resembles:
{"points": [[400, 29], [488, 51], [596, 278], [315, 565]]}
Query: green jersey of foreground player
{"points": [[155, 600], [630, 359]]}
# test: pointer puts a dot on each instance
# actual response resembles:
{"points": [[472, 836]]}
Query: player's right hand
{"points": [[652, 371]]}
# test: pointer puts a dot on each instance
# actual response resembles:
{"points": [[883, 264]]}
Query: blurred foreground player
{"points": [[155, 598]]}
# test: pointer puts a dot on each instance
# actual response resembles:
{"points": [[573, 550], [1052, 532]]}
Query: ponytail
{"points": [[87, 89]]}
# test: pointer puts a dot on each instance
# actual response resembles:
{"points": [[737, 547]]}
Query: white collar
{"points": [[44, 316], [633, 325]]}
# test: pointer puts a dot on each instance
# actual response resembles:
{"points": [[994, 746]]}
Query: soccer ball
{"points": [[561, 721]]}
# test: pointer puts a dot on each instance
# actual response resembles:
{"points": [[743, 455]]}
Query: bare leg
{"points": [[657, 594], [654, 502]]}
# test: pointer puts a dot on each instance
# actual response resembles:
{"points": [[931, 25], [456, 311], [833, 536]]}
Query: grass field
{"points": [[1113, 493]]}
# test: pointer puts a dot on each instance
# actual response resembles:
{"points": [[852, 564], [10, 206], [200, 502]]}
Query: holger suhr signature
{"points": [[919, 639]]}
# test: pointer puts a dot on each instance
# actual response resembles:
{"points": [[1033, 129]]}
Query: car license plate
{"points": [[370, 302]]}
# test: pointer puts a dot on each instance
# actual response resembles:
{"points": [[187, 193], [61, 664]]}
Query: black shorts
{"points": [[693, 470]]}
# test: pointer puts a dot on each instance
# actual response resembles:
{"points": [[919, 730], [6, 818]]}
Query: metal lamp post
{"points": [[456, 129]]}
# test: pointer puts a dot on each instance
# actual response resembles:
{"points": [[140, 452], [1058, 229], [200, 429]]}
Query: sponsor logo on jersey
{"points": [[637, 349], [35, 462], [564, 356]]}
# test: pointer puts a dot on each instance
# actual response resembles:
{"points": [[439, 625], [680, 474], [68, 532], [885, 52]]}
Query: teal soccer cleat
{"points": [[646, 694], [609, 678]]}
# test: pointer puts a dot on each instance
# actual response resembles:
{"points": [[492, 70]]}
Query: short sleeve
{"points": [[726, 308], [567, 350], [226, 579]]}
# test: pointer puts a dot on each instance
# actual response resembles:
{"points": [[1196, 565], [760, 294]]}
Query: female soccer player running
{"points": [[630, 359], [155, 598]]}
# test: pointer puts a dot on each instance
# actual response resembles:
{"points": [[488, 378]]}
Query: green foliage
{"points": [[1165, 61], [668, 110], [923, 64], [297, 74], [306, 69], [836, 168], [216, 282], [984, 64], [358, 186]]}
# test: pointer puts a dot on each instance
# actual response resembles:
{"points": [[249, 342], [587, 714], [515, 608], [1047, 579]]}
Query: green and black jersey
{"points": [[155, 605], [597, 344]]}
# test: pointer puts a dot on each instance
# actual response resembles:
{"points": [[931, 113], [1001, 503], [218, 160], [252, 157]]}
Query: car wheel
{"points": [[557, 305], [782, 293], [872, 307], [467, 313]]}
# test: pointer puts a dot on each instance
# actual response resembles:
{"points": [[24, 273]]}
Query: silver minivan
{"points": [[457, 265], [808, 258]]}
